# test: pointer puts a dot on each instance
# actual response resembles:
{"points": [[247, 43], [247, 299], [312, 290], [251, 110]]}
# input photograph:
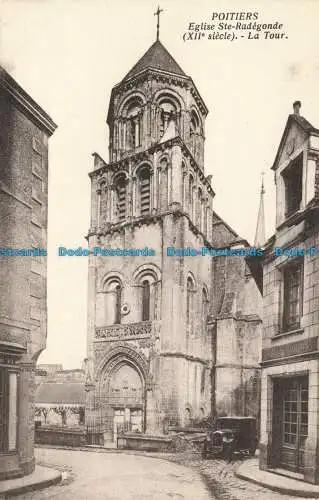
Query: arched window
{"points": [[194, 130], [163, 185], [167, 112], [146, 296], [147, 283], [144, 181], [169, 107], [134, 126], [118, 303], [113, 298], [190, 290], [130, 124], [120, 197]]}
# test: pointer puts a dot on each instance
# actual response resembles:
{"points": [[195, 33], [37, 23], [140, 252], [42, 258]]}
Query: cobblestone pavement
{"points": [[117, 476], [221, 479]]}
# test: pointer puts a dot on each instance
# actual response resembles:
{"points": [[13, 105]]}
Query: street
{"points": [[111, 476]]}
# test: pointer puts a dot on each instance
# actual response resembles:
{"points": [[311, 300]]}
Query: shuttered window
{"points": [[121, 198], [145, 191]]}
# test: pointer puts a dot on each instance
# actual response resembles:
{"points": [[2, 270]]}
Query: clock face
{"points": [[290, 146]]}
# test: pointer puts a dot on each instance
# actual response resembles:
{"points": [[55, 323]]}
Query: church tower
{"points": [[148, 345]]}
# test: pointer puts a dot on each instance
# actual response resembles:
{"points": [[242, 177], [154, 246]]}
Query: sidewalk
{"points": [[250, 471], [40, 478]]}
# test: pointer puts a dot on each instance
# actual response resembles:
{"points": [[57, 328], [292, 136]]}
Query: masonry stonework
{"points": [[289, 394], [163, 329], [24, 132]]}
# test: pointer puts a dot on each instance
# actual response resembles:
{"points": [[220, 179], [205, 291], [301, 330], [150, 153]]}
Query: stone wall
{"points": [[59, 436], [24, 133]]}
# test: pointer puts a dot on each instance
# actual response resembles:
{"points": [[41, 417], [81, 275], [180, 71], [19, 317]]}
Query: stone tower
{"points": [[148, 345]]}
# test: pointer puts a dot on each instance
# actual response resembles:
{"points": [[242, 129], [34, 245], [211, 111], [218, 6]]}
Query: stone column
{"points": [[115, 139], [311, 472], [137, 132], [153, 123], [151, 420], [155, 180], [26, 416], [135, 211], [151, 191], [177, 177], [94, 203], [169, 183], [98, 207]]}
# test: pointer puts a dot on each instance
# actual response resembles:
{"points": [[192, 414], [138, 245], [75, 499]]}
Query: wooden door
{"points": [[294, 422]]}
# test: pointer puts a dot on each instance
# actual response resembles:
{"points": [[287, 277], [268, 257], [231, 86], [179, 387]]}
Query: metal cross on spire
{"points": [[158, 13]]}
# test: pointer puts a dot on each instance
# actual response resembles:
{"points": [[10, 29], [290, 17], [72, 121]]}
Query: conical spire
{"points": [[158, 58], [260, 236]]}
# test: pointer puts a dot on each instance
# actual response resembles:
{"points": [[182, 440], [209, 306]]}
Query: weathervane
{"points": [[157, 13]]}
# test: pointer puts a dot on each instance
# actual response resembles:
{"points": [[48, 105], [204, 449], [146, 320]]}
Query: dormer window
{"points": [[292, 176]]}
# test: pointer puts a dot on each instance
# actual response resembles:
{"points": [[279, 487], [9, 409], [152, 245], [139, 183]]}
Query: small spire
{"points": [[262, 190], [296, 107], [260, 236], [158, 13]]}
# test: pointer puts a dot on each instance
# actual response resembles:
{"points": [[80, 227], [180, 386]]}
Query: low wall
{"points": [[144, 442], [173, 429], [62, 436]]}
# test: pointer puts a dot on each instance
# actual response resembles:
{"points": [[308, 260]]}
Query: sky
{"points": [[68, 54]]}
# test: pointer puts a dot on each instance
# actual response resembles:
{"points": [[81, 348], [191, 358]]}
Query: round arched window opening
{"points": [[168, 112], [120, 197], [144, 177], [146, 295]]}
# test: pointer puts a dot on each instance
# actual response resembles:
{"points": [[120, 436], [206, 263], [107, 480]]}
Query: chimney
{"points": [[296, 105]]}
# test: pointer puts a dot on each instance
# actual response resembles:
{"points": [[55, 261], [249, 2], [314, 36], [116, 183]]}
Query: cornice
{"points": [[309, 215], [12, 349], [144, 155], [22, 99], [188, 357], [120, 227]]}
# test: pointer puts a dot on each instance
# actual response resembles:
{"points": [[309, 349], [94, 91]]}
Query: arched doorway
{"points": [[122, 401]]}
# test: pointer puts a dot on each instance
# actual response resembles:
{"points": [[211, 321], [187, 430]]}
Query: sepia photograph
{"points": [[159, 249]]}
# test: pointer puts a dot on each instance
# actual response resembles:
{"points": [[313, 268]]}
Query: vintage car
{"points": [[231, 434]]}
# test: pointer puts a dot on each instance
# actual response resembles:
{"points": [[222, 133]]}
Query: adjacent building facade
{"points": [[24, 132], [171, 337], [290, 353], [59, 396]]}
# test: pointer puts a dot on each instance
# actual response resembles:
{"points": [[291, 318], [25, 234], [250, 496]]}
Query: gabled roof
{"points": [[60, 393], [302, 123], [156, 57]]}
